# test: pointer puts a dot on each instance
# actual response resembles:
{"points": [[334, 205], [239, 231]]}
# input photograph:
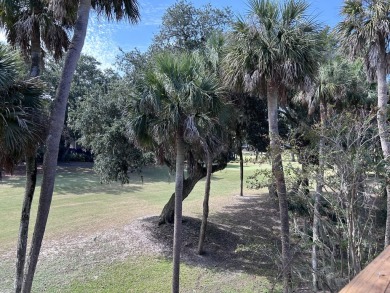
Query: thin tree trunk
{"points": [[277, 170], [31, 179], [53, 140], [241, 169], [177, 233], [317, 197], [382, 122], [31, 172], [203, 226], [316, 221]]}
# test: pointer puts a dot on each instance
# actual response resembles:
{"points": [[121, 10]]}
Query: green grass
{"points": [[83, 206], [130, 276]]}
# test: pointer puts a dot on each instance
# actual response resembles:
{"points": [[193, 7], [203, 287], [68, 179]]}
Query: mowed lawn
{"points": [[83, 206]]}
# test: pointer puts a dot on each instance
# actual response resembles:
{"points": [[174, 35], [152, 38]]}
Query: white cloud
{"points": [[99, 42], [151, 13]]}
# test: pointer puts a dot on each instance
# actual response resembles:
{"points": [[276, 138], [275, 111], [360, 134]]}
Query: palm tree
{"points": [[365, 32], [19, 106], [21, 129], [178, 96], [35, 28], [276, 49], [118, 10]]}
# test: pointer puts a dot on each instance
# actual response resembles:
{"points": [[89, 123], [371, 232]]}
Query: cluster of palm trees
{"points": [[184, 101]]}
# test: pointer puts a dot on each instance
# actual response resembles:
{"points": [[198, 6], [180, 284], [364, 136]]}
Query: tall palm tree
{"points": [[117, 9], [276, 48], [35, 29], [176, 98], [21, 129], [365, 32]]}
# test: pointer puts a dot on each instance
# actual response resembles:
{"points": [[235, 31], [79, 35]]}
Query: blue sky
{"points": [[104, 39]]}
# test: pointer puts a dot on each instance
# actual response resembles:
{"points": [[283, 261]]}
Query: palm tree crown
{"points": [[365, 28], [179, 94], [276, 42], [20, 110]]}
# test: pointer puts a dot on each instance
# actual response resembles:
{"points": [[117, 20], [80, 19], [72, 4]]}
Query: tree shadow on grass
{"points": [[79, 178], [243, 237]]}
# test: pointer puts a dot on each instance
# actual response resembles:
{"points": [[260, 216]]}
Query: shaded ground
{"points": [[231, 233]]}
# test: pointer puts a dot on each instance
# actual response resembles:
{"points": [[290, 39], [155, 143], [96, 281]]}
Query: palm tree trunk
{"points": [[277, 170], [53, 140], [317, 198], [241, 169], [31, 172], [31, 179], [35, 51], [382, 123], [177, 232], [203, 226], [168, 212]]}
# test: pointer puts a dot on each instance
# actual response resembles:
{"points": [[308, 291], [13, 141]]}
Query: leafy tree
{"points": [[178, 96], [187, 27], [365, 31], [339, 84], [101, 120], [112, 9], [87, 78], [277, 48]]}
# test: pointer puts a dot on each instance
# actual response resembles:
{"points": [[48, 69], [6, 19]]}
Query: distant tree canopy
{"points": [[186, 27]]}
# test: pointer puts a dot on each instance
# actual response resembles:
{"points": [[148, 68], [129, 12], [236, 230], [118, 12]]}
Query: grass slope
{"points": [[83, 206]]}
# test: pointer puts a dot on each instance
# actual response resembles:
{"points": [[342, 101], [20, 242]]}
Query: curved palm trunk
{"points": [[277, 170], [177, 233], [203, 226], [382, 122], [53, 140], [168, 212], [31, 179]]}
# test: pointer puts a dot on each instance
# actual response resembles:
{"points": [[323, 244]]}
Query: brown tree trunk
{"points": [[177, 233], [241, 169], [198, 172], [31, 179], [52, 142], [202, 233], [382, 122], [277, 170]]}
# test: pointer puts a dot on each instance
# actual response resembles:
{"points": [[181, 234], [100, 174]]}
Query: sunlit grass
{"points": [[83, 206], [130, 276]]}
